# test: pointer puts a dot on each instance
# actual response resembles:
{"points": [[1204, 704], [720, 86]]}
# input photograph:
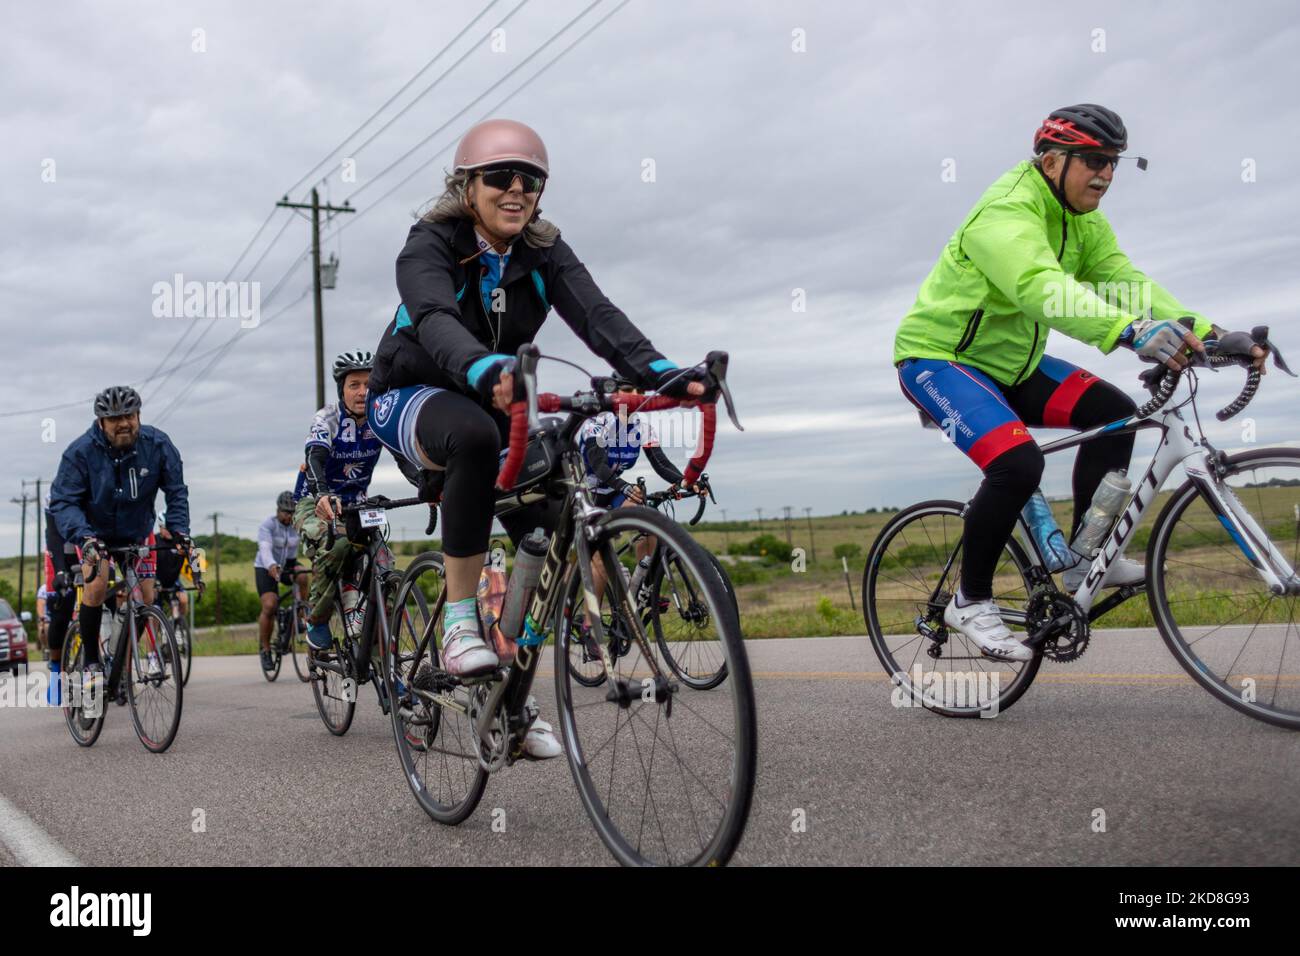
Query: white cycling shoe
{"points": [[540, 743], [466, 654], [1122, 571], [982, 624]]}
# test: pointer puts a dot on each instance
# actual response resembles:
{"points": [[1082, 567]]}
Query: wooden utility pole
{"points": [[216, 547], [316, 209], [788, 539], [40, 541], [22, 548]]}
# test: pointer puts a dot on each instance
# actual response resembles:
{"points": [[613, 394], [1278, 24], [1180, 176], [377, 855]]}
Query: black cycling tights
{"points": [[1010, 478], [458, 433]]}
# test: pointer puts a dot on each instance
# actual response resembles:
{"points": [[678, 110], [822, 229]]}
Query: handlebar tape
{"points": [[695, 467], [518, 446]]}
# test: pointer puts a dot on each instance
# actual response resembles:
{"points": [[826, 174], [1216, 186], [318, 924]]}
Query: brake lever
{"points": [[716, 363], [526, 371], [1259, 334]]}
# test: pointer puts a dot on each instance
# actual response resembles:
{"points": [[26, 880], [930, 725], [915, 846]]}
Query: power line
{"points": [[234, 338], [210, 324], [509, 96], [220, 353], [464, 56], [389, 102], [465, 109], [184, 334]]}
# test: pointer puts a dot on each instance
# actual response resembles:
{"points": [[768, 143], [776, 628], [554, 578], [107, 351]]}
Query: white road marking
{"points": [[30, 845]]}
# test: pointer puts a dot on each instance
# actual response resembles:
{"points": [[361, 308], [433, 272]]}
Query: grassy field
{"points": [[809, 596]]}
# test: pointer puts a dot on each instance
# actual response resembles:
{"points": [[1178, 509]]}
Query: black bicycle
{"points": [[359, 620], [1221, 564], [290, 637], [666, 776], [169, 599], [666, 601], [140, 656]]}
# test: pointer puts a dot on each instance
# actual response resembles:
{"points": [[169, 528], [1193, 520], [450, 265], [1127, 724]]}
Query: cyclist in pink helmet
{"points": [[477, 278]]}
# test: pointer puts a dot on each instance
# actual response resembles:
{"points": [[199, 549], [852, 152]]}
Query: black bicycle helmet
{"points": [[117, 400], [1085, 126], [284, 501], [351, 362]]}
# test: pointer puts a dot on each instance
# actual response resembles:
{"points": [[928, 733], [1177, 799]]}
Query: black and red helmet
{"points": [[1086, 126]]}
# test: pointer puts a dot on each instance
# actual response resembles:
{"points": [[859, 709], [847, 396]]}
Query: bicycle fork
{"points": [[1241, 526]]}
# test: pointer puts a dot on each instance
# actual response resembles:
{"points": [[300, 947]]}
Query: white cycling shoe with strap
{"points": [[540, 743], [464, 652], [981, 623]]}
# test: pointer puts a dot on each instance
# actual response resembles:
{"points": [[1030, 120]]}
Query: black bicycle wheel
{"points": [[273, 649], [726, 582], [1234, 637], [297, 640], [153, 673], [333, 680], [185, 645], [436, 744], [84, 723], [680, 618], [911, 574], [666, 776]]}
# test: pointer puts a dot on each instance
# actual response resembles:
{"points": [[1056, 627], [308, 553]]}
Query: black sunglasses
{"points": [[1098, 161], [502, 177]]}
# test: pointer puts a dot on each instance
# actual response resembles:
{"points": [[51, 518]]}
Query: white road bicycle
{"points": [[1221, 561]]}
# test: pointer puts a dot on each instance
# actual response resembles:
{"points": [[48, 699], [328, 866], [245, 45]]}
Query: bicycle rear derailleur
{"points": [[1058, 624]]}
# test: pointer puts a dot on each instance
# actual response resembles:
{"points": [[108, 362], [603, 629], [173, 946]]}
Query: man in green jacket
{"points": [[1035, 254]]}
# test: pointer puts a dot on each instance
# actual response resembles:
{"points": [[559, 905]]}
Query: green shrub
{"points": [[847, 550], [767, 546], [239, 604], [826, 610]]}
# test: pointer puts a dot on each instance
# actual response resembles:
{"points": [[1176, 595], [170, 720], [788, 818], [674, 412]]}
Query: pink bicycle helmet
{"points": [[499, 141]]}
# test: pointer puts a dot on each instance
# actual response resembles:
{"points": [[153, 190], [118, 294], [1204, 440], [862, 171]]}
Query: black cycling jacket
{"points": [[442, 326]]}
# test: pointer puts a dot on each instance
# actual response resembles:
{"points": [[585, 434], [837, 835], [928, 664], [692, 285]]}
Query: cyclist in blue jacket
{"points": [[103, 497]]}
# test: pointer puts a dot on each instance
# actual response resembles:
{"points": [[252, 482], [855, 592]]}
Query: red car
{"points": [[13, 639]]}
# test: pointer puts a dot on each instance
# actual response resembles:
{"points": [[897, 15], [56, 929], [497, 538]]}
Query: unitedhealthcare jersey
{"points": [[353, 452], [622, 446]]}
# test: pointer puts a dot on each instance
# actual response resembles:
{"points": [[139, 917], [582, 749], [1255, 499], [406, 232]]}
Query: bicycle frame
{"points": [[127, 628], [1201, 461]]}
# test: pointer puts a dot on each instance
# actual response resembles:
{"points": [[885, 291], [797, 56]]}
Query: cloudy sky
{"points": [[794, 146]]}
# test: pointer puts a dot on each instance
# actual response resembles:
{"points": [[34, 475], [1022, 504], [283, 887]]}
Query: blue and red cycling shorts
{"points": [[985, 419]]}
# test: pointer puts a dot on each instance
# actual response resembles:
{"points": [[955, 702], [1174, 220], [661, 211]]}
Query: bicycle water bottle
{"points": [[638, 575], [523, 582], [351, 616], [491, 597], [1047, 533], [106, 623], [1106, 504]]}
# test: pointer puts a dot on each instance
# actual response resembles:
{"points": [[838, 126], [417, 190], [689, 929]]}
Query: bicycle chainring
{"points": [[495, 757], [1069, 640]]}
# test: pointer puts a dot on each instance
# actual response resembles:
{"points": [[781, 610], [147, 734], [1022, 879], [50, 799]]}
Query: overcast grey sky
{"points": [[775, 169]]}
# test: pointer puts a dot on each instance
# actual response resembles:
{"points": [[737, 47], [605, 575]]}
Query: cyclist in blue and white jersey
{"points": [[342, 452]]}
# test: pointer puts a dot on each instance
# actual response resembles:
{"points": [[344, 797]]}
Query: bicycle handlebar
{"points": [[677, 494], [527, 402], [379, 501], [1163, 381]]}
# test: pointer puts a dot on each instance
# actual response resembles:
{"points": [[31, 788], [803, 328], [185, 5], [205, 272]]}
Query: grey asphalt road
{"points": [[1179, 777]]}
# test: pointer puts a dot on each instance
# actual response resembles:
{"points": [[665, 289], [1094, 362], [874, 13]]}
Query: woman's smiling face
{"points": [[502, 212]]}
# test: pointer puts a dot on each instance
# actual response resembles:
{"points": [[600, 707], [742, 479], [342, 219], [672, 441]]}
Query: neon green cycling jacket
{"points": [[1018, 266]]}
